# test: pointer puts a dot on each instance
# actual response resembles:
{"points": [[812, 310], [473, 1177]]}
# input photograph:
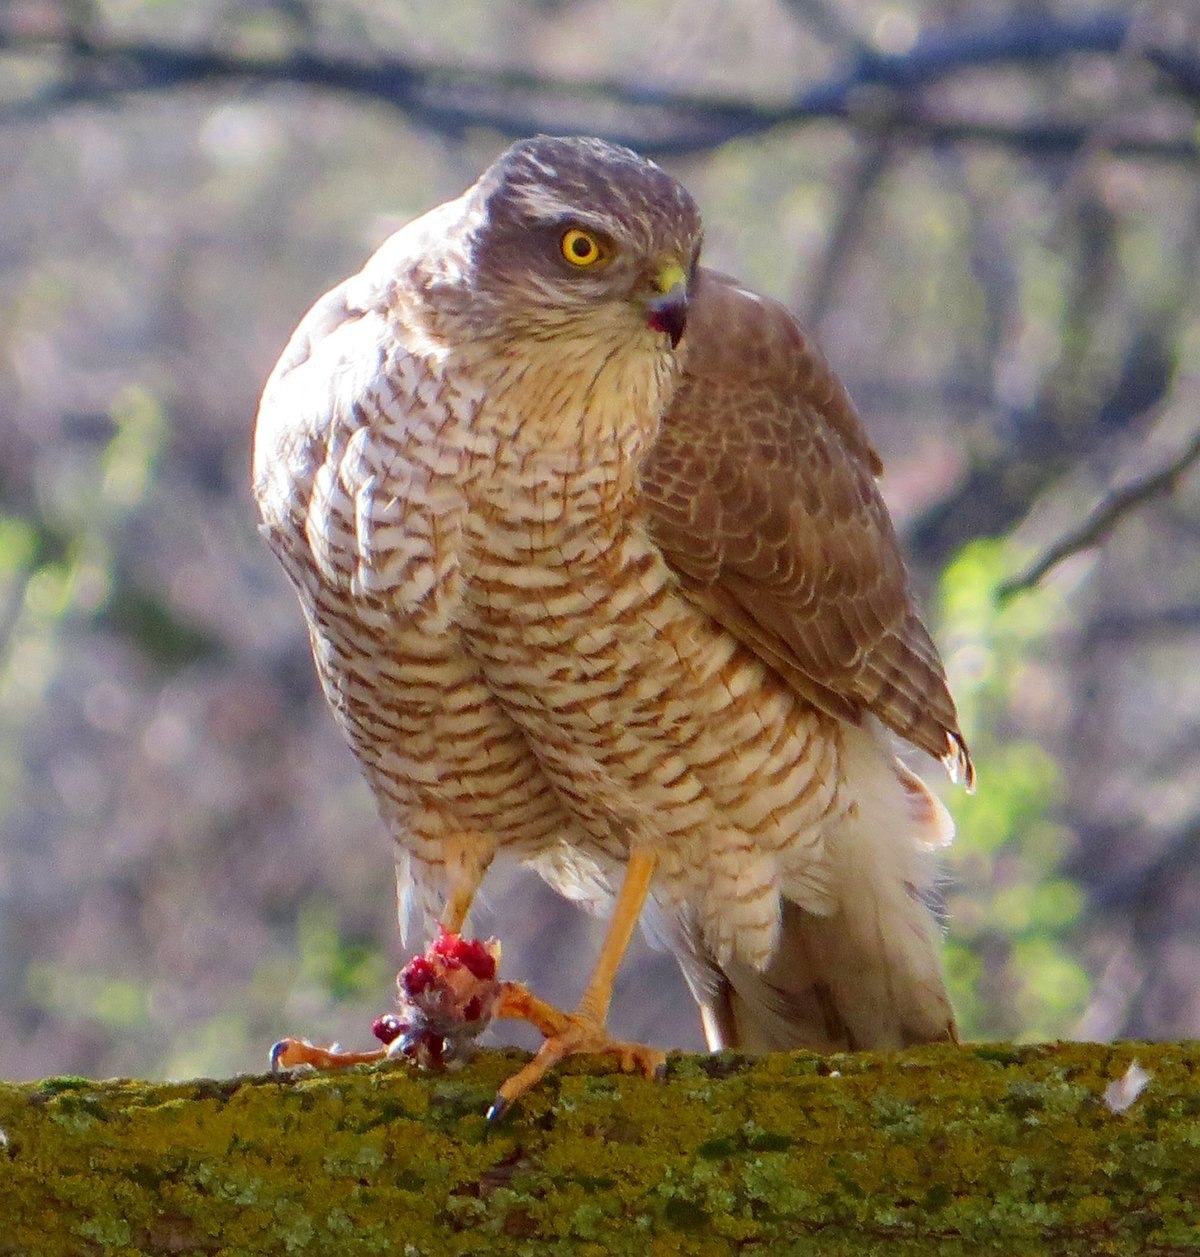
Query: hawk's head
{"points": [[578, 237]]}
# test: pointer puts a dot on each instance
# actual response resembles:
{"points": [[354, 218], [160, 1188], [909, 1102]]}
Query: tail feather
{"points": [[829, 993], [867, 976]]}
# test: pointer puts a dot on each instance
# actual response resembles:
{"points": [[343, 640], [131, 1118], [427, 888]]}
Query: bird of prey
{"points": [[598, 578]]}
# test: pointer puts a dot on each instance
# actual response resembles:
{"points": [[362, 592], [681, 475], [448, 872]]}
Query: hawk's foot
{"points": [[294, 1053], [567, 1034]]}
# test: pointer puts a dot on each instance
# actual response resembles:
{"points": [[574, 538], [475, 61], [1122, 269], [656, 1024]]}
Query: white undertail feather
{"points": [[869, 974]]}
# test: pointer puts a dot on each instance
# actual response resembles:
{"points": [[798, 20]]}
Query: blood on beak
{"points": [[667, 312]]}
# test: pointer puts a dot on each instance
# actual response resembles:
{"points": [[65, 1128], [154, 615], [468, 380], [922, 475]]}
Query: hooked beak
{"points": [[667, 311]]}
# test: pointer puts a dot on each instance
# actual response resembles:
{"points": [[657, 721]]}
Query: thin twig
{"points": [[1106, 516]]}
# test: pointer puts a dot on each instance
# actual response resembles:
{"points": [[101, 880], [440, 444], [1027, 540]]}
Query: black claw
{"points": [[499, 1107]]}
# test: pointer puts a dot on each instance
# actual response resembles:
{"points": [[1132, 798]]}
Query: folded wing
{"points": [[761, 493]]}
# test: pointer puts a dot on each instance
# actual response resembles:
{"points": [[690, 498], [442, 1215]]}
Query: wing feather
{"points": [[761, 493]]}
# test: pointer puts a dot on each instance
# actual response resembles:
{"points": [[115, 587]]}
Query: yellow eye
{"points": [[580, 247]]}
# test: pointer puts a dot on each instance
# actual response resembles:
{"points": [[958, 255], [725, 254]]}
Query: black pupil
{"points": [[581, 246]]}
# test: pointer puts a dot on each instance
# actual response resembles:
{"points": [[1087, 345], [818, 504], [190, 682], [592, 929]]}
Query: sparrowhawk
{"points": [[598, 578]]}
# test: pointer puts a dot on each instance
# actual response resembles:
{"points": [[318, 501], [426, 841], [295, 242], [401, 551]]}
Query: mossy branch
{"points": [[931, 1151]]}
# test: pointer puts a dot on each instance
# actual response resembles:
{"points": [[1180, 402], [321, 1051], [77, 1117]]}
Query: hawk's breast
{"points": [[513, 659], [654, 724]]}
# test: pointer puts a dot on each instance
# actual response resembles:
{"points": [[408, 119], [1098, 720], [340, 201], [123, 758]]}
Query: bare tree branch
{"points": [[827, 22], [1157, 624], [849, 223], [451, 98], [1029, 448], [1142, 887], [1106, 516]]}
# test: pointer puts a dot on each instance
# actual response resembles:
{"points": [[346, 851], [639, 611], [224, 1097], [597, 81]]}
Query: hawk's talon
{"points": [[499, 1107], [277, 1051]]}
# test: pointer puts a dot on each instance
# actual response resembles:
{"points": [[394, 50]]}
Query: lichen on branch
{"points": [[936, 1150]]}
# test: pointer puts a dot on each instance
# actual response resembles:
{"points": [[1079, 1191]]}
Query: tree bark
{"points": [[940, 1150]]}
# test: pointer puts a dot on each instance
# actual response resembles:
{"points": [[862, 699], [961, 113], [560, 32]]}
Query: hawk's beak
{"points": [[667, 312]]}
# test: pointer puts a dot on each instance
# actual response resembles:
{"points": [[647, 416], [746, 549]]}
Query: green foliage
{"points": [[162, 638], [67, 991], [60, 562], [340, 967], [56, 564], [1009, 960]]}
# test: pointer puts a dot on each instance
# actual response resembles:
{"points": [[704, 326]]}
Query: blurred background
{"points": [[988, 213]]}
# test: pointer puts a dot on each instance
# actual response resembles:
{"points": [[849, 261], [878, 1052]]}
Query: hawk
{"points": [[597, 577]]}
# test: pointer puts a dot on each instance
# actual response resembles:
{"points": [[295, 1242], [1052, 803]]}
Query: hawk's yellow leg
{"points": [[584, 1029], [454, 914]]}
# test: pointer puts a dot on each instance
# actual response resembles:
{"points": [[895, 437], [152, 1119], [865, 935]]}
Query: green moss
{"points": [[931, 1151], [67, 1082]]}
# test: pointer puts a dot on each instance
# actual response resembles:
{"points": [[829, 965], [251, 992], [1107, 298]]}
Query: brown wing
{"points": [[761, 491]]}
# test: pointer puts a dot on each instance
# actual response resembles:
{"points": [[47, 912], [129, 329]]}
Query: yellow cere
{"points": [[670, 275]]}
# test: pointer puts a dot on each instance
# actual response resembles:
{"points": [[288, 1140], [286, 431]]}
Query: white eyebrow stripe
{"points": [[540, 203], [551, 172]]}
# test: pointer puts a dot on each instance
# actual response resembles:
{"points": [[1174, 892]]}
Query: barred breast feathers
{"points": [[351, 469]]}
